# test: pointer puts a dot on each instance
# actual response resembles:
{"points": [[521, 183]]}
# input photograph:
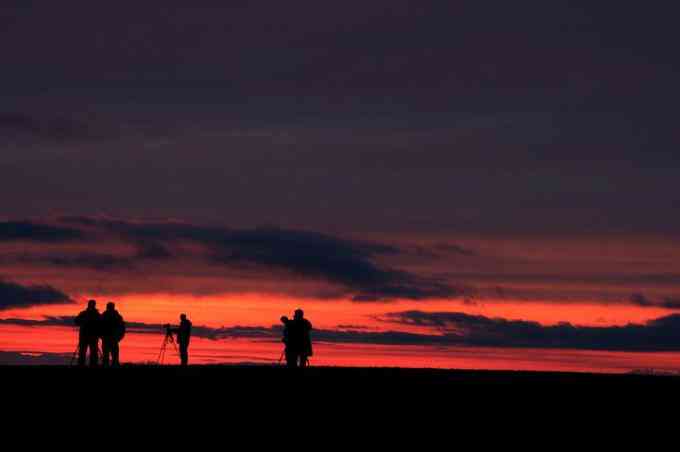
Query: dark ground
{"points": [[335, 399], [237, 383], [233, 380]]}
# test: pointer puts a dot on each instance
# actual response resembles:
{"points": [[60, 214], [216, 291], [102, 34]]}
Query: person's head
{"points": [[299, 314], [110, 306], [284, 319], [182, 317], [91, 304]]}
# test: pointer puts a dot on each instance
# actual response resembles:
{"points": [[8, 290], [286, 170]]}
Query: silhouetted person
{"points": [[88, 337], [300, 339], [183, 333], [112, 332], [288, 350]]}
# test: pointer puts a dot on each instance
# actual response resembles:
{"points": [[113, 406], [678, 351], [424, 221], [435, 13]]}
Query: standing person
{"points": [[112, 332], [88, 337], [183, 333], [300, 338]]}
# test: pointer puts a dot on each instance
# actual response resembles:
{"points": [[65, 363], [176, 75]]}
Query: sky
{"points": [[442, 184]]}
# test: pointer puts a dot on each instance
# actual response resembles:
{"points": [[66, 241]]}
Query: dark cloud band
{"points": [[457, 328], [14, 295], [305, 254], [37, 232]]}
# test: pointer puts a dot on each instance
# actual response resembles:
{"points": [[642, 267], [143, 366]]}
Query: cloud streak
{"points": [[13, 295], [312, 264], [93, 261], [309, 255], [37, 232], [33, 358], [643, 301], [457, 328]]}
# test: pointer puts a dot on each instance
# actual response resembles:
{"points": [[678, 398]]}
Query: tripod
{"points": [[167, 339], [76, 354]]}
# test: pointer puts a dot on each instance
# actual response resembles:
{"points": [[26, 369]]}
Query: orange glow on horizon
{"points": [[264, 310], [144, 348]]}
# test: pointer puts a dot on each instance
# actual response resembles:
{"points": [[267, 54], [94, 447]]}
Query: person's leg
{"points": [[184, 354], [82, 351], [115, 350], [106, 352], [94, 353], [290, 358]]}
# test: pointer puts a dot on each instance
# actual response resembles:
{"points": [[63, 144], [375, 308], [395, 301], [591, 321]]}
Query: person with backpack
{"points": [[300, 339], [112, 332]]}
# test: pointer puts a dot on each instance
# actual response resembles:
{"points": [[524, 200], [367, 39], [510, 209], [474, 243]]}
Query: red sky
{"points": [[587, 282], [432, 183]]}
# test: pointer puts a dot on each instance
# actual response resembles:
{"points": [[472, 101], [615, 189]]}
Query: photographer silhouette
{"points": [[183, 332]]}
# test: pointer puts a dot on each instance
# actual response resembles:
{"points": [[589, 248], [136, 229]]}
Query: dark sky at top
{"points": [[423, 117]]}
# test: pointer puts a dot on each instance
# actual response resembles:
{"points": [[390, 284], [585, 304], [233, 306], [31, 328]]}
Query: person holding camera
{"points": [[183, 332]]}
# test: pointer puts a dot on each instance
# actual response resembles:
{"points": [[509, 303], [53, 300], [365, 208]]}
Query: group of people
{"points": [[297, 339], [109, 326]]}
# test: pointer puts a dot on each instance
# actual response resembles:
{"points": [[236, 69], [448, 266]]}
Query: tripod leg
{"points": [[161, 353], [174, 344]]}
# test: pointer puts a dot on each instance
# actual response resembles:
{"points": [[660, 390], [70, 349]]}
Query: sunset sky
{"points": [[464, 184]]}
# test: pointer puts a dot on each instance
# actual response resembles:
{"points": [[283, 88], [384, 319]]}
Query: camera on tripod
{"points": [[168, 339]]}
